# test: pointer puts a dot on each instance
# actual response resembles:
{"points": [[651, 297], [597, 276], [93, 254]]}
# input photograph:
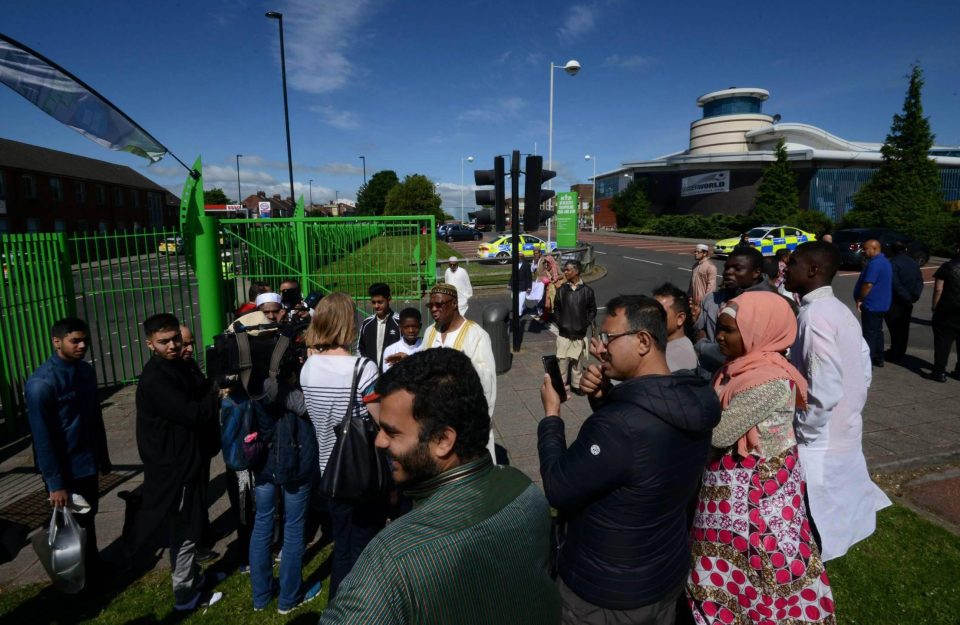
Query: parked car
{"points": [[458, 232], [500, 248], [768, 239], [850, 243], [173, 245]]}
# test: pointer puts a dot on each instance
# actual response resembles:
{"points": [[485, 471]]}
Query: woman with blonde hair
{"points": [[753, 553], [327, 380]]}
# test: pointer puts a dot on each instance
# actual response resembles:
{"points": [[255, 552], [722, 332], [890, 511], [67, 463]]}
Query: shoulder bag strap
{"points": [[282, 343], [358, 367], [243, 351]]}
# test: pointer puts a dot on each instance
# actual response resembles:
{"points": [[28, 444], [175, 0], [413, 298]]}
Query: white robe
{"points": [[477, 347], [832, 355], [461, 280]]}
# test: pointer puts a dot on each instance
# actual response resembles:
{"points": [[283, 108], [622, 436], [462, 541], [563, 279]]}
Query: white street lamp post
{"points": [[571, 67], [468, 159], [593, 203]]}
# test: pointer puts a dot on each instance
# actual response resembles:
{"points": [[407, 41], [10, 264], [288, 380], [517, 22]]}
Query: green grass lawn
{"points": [[481, 274], [905, 574]]}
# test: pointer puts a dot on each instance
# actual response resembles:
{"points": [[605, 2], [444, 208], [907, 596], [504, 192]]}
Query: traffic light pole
{"points": [[515, 245]]}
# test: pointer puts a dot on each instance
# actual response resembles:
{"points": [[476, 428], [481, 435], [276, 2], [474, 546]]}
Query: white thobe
{"points": [[477, 347], [461, 280], [832, 355]]}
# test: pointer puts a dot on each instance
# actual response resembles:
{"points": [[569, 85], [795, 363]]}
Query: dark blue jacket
{"points": [[292, 454], [624, 487], [69, 440], [907, 279]]}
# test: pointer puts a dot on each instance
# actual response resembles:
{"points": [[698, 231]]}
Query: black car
{"points": [[458, 232], [850, 243]]}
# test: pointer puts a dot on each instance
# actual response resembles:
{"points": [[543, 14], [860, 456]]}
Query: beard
{"points": [[417, 465]]}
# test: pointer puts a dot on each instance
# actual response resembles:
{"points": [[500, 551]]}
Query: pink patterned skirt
{"points": [[754, 559]]}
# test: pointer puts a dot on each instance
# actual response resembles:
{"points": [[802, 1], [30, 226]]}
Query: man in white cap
{"points": [[703, 280], [269, 311], [461, 280]]}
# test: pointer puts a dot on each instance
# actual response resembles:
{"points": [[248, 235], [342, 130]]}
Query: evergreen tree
{"points": [[777, 196], [216, 196], [372, 196], [416, 195], [632, 206], [905, 192]]}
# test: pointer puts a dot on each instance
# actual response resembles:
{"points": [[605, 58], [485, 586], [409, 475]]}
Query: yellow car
{"points": [[499, 248], [171, 245], [768, 239]]}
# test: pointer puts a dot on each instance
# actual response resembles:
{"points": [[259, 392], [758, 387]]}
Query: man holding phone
{"points": [[624, 485]]}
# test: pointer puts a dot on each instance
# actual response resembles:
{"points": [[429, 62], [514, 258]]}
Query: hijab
{"points": [[768, 327]]}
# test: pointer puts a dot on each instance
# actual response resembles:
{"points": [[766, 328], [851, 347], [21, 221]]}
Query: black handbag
{"points": [[357, 470]]}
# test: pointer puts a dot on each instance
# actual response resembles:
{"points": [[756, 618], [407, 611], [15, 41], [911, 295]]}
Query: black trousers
{"points": [[898, 322], [946, 330], [873, 333], [354, 525]]}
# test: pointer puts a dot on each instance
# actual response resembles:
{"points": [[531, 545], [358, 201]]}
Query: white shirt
{"points": [[831, 353], [400, 347], [381, 332]]}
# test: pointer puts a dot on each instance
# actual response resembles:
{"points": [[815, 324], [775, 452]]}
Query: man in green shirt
{"points": [[474, 549]]}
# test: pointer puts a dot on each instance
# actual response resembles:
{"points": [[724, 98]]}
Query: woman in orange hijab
{"points": [[754, 556]]}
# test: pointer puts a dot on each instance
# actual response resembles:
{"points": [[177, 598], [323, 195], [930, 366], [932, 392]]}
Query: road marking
{"points": [[599, 252], [643, 261]]}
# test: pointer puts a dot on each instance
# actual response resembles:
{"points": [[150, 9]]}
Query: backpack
{"points": [[238, 423]]}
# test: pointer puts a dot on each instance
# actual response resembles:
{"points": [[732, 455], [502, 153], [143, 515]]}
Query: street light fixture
{"points": [[571, 67], [311, 192], [364, 159], [593, 203], [239, 193], [274, 15], [468, 159]]}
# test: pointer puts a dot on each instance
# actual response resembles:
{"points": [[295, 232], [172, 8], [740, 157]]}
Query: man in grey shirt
{"points": [[680, 352]]}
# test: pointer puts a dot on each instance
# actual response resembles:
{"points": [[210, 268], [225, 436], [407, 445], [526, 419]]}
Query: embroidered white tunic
{"points": [[832, 355]]}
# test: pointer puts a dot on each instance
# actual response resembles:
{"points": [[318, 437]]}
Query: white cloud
{"points": [[339, 169], [580, 20], [344, 120], [635, 61], [493, 111], [318, 35]]}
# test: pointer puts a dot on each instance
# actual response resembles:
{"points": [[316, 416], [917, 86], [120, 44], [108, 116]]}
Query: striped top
{"points": [[472, 551], [326, 381]]}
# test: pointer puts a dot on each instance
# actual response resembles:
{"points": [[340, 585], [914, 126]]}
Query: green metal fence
{"points": [[328, 254], [33, 296]]}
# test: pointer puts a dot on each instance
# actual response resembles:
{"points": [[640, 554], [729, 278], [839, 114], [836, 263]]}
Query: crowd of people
{"points": [[720, 470]]}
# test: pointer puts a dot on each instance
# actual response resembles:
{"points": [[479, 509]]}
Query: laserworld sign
{"points": [[714, 182]]}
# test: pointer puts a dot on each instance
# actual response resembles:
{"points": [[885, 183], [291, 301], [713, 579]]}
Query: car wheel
{"points": [[503, 258]]}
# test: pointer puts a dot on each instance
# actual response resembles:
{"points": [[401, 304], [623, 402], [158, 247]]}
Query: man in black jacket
{"points": [[575, 310], [907, 288], [381, 329], [175, 408], [626, 482], [946, 316]]}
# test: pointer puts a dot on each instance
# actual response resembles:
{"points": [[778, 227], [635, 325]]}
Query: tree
{"points": [[416, 195], [777, 196], [904, 194], [216, 196], [632, 206], [372, 196]]}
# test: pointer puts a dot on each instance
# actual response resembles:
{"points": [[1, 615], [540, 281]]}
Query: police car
{"points": [[767, 239], [499, 248]]}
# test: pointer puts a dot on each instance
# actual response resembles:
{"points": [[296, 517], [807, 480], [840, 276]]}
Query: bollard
{"points": [[496, 318]]}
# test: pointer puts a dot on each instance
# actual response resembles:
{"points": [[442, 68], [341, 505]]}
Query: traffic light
{"points": [[496, 197], [534, 196]]}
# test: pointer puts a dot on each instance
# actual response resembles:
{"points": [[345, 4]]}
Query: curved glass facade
{"points": [[832, 190], [734, 105]]}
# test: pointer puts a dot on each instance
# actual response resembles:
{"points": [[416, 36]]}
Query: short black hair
{"points": [[681, 303], [160, 323], [410, 313], [782, 253], [575, 264], [447, 393], [898, 247], [771, 267], [380, 288], [822, 253], [69, 325], [256, 288], [751, 253], [642, 313]]}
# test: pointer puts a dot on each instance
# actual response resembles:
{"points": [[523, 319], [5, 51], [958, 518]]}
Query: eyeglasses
{"points": [[606, 338], [433, 305]]}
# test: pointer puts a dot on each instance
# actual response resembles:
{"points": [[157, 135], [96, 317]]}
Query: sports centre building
{"points": [[729, 147]]}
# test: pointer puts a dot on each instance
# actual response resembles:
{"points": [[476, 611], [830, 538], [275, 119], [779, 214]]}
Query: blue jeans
{"points": [[873, 333], [296, 496]]}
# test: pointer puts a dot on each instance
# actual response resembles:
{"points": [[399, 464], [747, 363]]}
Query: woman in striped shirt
{"points": [[326, 379]]}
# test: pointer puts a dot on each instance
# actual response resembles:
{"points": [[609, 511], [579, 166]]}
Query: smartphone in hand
{"points": [[551, 366]]}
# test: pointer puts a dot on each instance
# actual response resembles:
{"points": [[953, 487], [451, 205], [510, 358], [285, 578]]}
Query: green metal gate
{"points": [[328, 254]]}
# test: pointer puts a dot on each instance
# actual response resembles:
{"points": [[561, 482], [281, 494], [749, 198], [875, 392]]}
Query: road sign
{"points": [[567, 219]]}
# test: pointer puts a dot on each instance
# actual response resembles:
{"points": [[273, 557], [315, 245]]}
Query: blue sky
{"points": [[415, 86]]}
